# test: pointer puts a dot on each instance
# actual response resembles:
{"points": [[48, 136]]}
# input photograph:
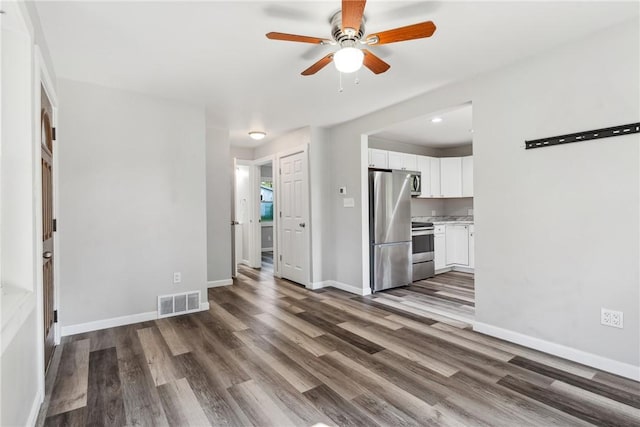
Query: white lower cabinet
{"points": [[457, 244], [472, 249], [453, 246], [440, 249]]}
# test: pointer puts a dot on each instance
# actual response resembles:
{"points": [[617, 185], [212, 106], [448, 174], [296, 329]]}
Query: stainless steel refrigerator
{"points": [[389, 229]]}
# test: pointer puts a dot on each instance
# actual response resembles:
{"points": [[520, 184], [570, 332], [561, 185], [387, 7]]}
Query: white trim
{"points": [[267, 250], [314, 286], [460, 268], [35, 409], [216, 283], [364, 209], [609, 365], [108, 323], [204, 306], [23, 304], [339, 285]]}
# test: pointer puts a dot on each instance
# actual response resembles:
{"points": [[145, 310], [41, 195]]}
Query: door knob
{"points": [[47, 255], [302, 224]]}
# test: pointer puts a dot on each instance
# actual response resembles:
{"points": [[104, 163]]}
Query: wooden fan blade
{"points": [[318, 65], [374, 63], [296, 38], [410, 32], [352, 11]]}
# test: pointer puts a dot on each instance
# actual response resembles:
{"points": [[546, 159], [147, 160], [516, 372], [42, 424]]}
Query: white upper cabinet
{"points": [[441, 177], [378, 158], [436, 190], [403, 161], [467, 176], [451, 176]]}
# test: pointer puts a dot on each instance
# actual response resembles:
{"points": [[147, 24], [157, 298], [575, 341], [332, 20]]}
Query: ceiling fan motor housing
{"points": [[345, 36]]}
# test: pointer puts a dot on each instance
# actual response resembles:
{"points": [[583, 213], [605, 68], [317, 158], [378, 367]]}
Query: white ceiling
{"points": [[454, 130], [215, 54]]}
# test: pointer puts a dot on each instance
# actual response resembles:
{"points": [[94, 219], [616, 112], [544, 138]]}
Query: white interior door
{"points": [[294, 227], [243, 215]]}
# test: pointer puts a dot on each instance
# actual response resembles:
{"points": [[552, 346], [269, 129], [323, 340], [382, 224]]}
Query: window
{"points": [[266, 201]]}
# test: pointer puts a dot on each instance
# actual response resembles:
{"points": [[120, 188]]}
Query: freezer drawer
{"points": [[391, 266]]}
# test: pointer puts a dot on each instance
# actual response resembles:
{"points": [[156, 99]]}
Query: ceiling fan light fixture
{"points": [[257, 135], [348, 59]]}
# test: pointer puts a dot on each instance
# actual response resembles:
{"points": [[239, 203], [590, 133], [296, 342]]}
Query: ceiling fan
{"points": [[347, 31]]}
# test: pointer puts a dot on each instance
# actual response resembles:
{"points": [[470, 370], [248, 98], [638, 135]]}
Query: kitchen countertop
{"points": [[437, 220]]}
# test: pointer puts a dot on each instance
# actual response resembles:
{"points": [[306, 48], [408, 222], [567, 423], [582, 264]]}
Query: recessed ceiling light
{"points": [[436, 120], [257, 135]]}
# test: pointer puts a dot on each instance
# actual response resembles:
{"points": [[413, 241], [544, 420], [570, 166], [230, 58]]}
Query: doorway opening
{"points": [[266, 221], [438, 149], [271, 216]]}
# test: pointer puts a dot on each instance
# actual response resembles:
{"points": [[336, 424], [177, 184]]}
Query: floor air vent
{"points": [[175, 304]]}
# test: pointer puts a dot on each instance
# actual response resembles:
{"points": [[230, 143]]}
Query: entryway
{"points": [[271, 218]]}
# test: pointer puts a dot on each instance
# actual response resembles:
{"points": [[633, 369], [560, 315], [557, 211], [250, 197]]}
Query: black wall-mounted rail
{"points": [[583, 136]]}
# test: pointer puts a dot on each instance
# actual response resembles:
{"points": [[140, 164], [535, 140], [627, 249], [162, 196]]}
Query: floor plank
{"points": [[70, 387]]}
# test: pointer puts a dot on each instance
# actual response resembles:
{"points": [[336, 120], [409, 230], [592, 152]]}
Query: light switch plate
{"points": [[349, 202]]}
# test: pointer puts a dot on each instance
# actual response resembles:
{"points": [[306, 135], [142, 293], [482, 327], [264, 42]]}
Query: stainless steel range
{"points": [[422, 244]]}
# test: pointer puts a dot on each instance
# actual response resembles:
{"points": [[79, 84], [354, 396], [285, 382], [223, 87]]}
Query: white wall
{"points": [[218, 205], [132, 201], [21, 359], [21, 368], [544, 268]]}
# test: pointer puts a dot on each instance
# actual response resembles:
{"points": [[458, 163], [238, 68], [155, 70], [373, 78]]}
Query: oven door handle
{"points": [[422, 233]]}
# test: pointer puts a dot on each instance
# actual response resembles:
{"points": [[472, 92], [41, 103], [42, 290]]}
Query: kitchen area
{"points": [[433, 158]]}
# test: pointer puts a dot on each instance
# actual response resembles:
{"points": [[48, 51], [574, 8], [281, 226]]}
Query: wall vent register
{"points": [[175, 304]]}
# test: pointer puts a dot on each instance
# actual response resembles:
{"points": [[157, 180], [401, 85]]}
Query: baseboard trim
{"points": [[116, 321], [339, 285], [460, 268], [216, 283], [35, 409], [605, 364], [96, 325]]}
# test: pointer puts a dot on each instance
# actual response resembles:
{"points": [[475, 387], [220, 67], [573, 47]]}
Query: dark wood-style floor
{"points": [[270, 353]]}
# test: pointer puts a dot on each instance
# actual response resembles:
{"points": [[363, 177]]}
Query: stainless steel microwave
{"points": [[416, 183]]}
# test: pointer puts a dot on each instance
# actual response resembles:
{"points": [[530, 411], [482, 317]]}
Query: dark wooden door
{"points": [[47, 227]]}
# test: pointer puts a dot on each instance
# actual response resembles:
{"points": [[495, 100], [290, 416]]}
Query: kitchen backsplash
{"points": [[442, 207]]}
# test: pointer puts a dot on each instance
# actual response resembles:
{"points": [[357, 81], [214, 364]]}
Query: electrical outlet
{"points": [[611, 318], [177, 278]]}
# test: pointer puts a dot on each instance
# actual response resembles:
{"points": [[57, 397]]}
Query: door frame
{"points": [[252, 211], [42, 79], [303, 148], [257, 232]]}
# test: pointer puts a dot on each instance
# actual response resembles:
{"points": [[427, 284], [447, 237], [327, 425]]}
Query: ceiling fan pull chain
{"points": [[340, 88]]}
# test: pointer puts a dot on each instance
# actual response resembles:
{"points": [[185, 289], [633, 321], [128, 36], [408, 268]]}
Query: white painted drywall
{"points": [[545, 266], [20, 370], [132, 201], [218, 205]]}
